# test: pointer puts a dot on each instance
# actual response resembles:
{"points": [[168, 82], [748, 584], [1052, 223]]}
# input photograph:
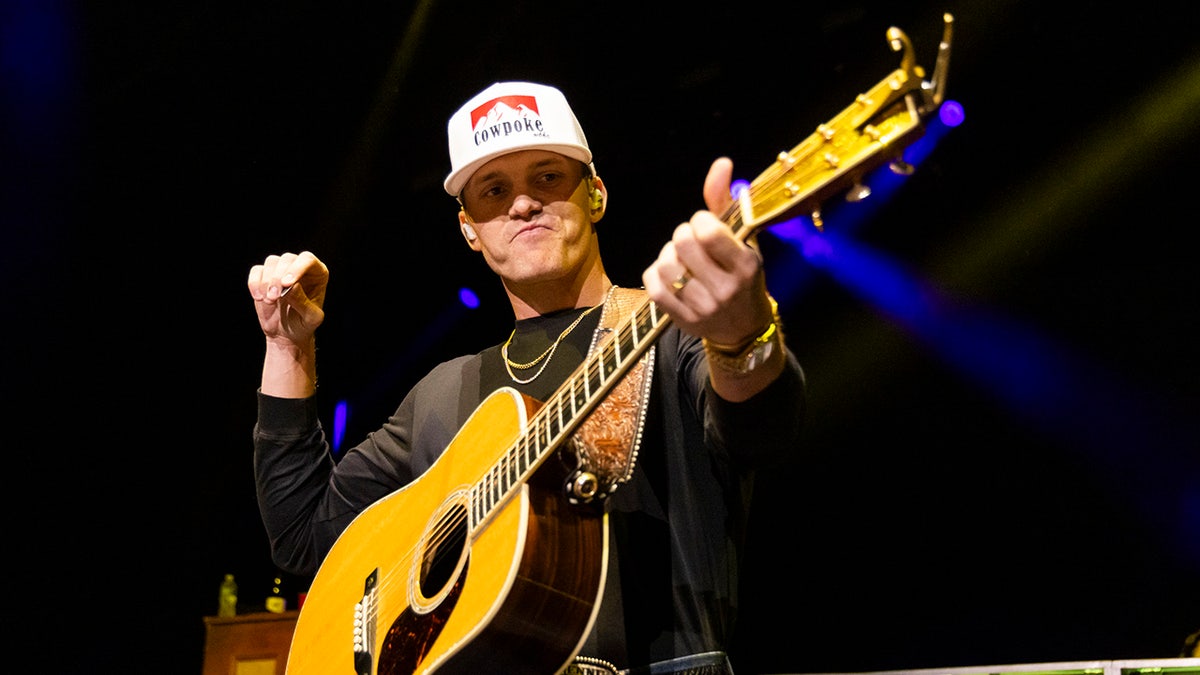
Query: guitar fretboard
{"points": [[567, 409]]}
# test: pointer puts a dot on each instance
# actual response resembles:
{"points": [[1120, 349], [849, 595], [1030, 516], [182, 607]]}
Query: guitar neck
{"points": [[871, 131], [567, 409]]}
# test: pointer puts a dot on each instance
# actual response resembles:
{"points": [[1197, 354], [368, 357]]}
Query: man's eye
{"points": [[492, 192], [550, 178]]}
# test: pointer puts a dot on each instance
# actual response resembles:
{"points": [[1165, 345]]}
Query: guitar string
{"points": [[447, 526], [449, 530], [760, 186], [450, 526], [593, 369]]}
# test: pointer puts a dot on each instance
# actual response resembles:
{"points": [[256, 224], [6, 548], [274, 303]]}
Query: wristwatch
{"points": [[743, 358]]}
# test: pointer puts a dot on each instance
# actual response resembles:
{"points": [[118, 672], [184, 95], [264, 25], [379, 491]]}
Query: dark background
{"points": [[1001, 462]]}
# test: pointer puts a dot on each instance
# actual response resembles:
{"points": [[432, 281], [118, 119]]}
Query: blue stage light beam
{"points": [[1046, 385], [341, 413], [468, 298]]}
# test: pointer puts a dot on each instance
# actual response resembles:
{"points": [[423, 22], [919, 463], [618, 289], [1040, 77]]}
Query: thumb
{"points": [[716, 185]]}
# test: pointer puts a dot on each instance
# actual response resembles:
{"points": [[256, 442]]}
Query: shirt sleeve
{"points": [[305, 497], [766, 428], [760, 431]]}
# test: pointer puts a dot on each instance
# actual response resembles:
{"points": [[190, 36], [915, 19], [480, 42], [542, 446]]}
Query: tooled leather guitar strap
{"points": [[607, 442]]}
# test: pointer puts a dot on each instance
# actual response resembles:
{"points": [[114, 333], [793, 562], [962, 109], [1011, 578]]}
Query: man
{"points": [[721, 395]]}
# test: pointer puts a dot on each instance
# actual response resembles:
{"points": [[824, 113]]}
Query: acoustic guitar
{"points": [[493, 561]]}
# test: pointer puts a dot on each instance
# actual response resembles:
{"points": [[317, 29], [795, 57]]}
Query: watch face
{"points": [[760, 353]]}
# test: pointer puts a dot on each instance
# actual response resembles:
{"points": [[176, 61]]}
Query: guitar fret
{"points": [[571, 393], [481, 506], [501, 480], [474, 511], [520, 461], [558, 406], [555, 426], [482, 498]]}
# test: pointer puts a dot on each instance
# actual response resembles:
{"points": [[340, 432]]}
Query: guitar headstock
{"points": [[871, 131]]}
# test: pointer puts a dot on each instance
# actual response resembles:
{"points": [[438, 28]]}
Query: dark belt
{"points": [[708, 663]]}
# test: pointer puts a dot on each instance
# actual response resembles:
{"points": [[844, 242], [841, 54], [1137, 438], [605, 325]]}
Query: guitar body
{"points": [[408, 588]]}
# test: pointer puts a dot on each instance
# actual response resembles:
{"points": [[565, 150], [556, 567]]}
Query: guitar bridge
{"points": [[365, 617]]}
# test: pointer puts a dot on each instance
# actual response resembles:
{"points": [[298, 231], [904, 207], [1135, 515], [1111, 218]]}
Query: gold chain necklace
{"points": [[544, 359]]}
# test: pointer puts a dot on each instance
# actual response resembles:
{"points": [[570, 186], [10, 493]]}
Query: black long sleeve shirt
{"points": [[676, 527]]}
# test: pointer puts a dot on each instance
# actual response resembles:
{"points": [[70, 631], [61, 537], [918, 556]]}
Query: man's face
{"points": [[530, 210]]}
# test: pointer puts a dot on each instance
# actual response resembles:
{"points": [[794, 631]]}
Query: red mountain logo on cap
{"points": [[498, 109]]}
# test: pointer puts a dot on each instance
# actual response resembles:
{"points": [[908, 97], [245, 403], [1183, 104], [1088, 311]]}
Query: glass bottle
{"points": [[227, 599]]}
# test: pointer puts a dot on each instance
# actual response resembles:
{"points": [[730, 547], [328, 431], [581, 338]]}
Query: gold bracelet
{"points": [[745, 357], [741, 346]]}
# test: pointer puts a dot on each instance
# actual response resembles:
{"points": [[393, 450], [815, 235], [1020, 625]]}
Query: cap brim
{"points": [[455, 182]]}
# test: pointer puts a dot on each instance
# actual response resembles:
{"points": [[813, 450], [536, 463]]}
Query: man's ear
{"points": [[468, 232], [598, 197]]}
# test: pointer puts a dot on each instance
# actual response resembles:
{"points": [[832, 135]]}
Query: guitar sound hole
{"points": [[444, 551]]}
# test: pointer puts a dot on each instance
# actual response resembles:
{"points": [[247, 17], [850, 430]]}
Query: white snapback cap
{"points": [[511, 116]]}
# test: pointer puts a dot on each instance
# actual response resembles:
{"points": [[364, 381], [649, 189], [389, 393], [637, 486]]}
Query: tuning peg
{"points": [[901, 167], [817, 222], [933, 92], [858, 192]]}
